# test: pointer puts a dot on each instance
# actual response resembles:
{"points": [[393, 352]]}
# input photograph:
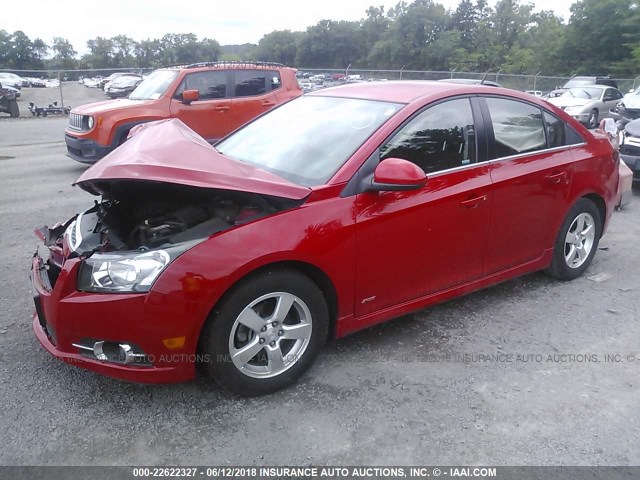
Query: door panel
{"points": [[254, 94], [414, 243], [210, 116], [530, 182]]}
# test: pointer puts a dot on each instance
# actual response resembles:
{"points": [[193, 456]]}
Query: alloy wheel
{"points": [[579, 240], [270, 335]]}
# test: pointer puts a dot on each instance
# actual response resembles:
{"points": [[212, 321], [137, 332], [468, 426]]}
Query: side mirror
{"points": [[189, 96], [395, 174]]}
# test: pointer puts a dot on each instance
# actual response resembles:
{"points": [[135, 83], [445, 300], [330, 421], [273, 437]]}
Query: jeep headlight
{"points": [[90, 122], [131, 272]]}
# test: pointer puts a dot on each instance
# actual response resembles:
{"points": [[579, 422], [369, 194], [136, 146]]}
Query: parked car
{"points": [[471, 81], [122, 86], [212, 98], [628, 108], [8, 102], [339, 210], [583, 81], [535, 93], [11, 80], [104, 80], [629, 140], [588, 104], [15, 91], [34, 82]]}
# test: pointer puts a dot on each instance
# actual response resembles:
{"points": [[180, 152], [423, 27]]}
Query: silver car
{"points": [[588, 104]]}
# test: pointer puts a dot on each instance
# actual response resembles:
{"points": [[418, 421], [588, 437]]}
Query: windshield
{"points": [[154, 86], [308, 139], [583, 92], [125, 81], [579, 82]]}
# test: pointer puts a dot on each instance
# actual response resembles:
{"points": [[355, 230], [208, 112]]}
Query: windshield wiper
{"points": [[587, 94]]}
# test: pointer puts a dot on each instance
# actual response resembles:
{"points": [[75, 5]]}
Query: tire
{"points": [[14, 110], [593, 119], [278, 357], [572, 254]]}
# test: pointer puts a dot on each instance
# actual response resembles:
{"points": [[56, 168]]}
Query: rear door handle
{"points": [[268, 104], [221, 109], [557, 177], [473, 202]]}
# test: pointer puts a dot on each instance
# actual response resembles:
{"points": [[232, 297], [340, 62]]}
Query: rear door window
{"points": [[249, 83], [517, 127]]}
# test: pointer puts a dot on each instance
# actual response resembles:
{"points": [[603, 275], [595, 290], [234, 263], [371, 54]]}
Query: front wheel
{"points": [[593, 119], [266, 333], [577, 241]]}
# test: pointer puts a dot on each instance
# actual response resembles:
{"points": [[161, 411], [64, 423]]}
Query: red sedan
{"points": [[334, 212]]}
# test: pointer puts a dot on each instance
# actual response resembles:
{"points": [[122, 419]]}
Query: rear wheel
{"points": [[266, 333], [577, 241], [14, 110]]}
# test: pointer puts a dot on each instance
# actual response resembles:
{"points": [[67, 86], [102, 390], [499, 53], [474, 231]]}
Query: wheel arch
{"points": [[602, 208], [317, 275]]}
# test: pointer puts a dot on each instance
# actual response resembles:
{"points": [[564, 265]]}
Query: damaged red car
{"points": [[334, 212]]}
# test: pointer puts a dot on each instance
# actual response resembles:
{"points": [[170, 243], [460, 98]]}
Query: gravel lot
{"points": [[394, 394]]}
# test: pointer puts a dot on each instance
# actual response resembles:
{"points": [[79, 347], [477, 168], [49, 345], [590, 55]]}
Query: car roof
{"points": [[402, 91], [240, 65], [595, 85], [471, 81]]}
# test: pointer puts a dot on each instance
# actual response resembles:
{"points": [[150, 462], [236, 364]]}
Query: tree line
{"points": [[600, 37]]}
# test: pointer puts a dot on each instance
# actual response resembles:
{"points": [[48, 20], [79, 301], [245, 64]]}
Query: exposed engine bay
{"points": [[142, 215]]}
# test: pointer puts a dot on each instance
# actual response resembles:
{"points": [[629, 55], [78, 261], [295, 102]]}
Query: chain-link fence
{"points": [[66, 80]]}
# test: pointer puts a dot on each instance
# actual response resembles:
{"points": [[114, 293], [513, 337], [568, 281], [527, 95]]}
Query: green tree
{"points": [[279, 46], [64, 54]]}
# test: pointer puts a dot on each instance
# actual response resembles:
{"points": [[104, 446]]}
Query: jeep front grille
{"points": [[75, 121]]}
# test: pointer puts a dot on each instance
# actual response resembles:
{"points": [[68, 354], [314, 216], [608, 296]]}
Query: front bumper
{"points": [[65, 317], [83, 150]]}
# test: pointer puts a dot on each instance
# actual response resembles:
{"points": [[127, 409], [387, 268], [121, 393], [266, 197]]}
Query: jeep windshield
{"points": [[154, 86], [308, 139]]}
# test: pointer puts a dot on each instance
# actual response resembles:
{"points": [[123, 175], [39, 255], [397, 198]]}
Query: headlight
{"points": [[573, 109], [90, 122], [621, 138], [134, 272]]}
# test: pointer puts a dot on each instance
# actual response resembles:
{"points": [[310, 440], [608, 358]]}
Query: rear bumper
{"points": [[65, 318], [84, 150]]}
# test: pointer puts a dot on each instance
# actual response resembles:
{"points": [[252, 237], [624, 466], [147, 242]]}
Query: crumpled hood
{"points": [[633, 128], [170, 152], [564, 102], [631, 100], [107, 106]]}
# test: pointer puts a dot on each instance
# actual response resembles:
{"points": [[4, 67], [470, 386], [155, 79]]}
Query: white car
{"points": [[588, 104], [535, 93], [11, 80]]}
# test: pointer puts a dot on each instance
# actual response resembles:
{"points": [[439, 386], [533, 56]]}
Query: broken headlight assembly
{"points": [[126, 272]]}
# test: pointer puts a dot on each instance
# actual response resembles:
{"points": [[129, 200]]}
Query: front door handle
{"points": [[557, 177], [267, 104], [221, 109], [473, 202]]}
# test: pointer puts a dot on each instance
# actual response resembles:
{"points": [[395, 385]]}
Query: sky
{"points": [[238, 21]]}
